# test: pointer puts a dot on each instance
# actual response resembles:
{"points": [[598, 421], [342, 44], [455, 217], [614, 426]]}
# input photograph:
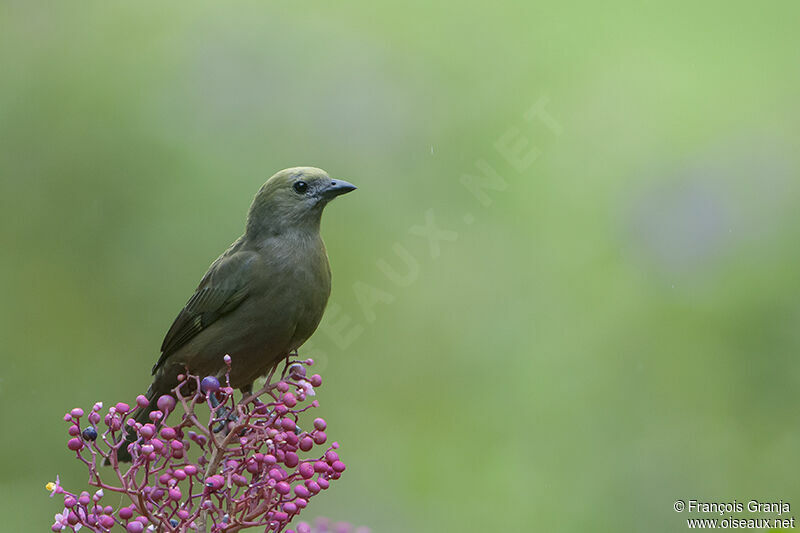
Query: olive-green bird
{"points": [[263, 297]]}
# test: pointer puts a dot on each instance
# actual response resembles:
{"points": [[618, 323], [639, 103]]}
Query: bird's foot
{"points": [[223, 415]]}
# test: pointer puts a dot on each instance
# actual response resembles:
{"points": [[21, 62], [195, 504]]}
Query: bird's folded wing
{"points": [[222, 289]]}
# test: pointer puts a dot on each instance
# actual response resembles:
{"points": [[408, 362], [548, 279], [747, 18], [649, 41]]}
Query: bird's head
{"points": [[294, 199]]}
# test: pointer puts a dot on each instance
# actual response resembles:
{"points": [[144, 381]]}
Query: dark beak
{"points": [[337, 188]]}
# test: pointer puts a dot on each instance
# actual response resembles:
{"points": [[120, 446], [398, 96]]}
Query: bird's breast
{"points": [[300, 288]]}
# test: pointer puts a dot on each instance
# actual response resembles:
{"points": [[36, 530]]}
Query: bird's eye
{"points": [[300, 186]]}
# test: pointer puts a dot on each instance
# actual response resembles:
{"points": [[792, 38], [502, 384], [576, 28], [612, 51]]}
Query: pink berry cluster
{"points": [[246, 464]]}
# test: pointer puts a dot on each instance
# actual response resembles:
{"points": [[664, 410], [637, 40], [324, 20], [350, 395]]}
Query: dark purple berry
{"points": [[89, 433], [297, 371], [209, 384]]}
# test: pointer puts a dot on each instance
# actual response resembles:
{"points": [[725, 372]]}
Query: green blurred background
{"points": [[614, 328]]}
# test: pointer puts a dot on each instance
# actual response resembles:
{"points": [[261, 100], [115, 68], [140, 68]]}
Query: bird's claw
{"points": [[223, 415]]}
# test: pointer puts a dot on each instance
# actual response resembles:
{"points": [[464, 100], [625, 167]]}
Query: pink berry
{"points": [[215, 482], [306, 470], [166, 403], [290, 459], [289, 400]]}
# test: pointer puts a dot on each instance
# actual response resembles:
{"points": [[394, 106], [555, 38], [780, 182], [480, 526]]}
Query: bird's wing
{"points": [[222, 289]]}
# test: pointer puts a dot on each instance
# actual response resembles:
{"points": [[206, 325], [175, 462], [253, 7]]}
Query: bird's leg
{"points": [[224, 414], [247, 394]]}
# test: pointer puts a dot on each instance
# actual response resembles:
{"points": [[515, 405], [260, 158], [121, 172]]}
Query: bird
{"points": [[262, 298]]}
